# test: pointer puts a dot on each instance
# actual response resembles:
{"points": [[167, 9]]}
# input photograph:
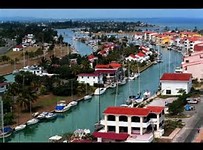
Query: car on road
{"points": [[192, 100]]}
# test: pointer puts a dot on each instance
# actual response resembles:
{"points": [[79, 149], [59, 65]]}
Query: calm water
{"points": [[68, 34], [86, 113]]}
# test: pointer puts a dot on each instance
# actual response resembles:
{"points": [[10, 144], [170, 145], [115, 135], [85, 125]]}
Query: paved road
{"points": [[188, 133], [9, 45]]}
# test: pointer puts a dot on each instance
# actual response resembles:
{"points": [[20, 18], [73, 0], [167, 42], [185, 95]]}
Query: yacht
{"points": [[61, 107]]}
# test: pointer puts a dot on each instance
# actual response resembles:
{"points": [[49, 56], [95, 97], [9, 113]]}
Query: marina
{"points": [[75, 117]]}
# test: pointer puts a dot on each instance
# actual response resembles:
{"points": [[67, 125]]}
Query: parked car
{"points": [[192, 100]]}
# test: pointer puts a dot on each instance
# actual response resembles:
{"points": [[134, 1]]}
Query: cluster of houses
{"points": [[27, 40]]}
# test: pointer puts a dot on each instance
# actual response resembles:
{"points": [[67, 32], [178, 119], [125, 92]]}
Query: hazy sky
{"points": [[101, 13]]}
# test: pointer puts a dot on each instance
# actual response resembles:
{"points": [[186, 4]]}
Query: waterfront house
{"points": [[90, 78], [172, 83], [110, 71], [193, 63], [130, 124]]}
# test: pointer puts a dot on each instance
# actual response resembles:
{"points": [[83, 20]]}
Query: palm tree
{"points": [[25, 98], [81, 89]]}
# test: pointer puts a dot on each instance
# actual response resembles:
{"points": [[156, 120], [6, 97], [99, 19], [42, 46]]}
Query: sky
{"points": [[101, 13]]}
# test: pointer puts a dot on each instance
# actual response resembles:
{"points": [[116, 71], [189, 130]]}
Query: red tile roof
{"points": [[127, 111], [176, 76], [19, 46], [111, 135], [115, 65], [155, 109], [140, 54], [133, 56], [91, 56], [111, 65]]}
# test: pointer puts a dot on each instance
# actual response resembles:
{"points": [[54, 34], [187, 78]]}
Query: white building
{"points": [[90, 78], [131, 124], [172, 83]]}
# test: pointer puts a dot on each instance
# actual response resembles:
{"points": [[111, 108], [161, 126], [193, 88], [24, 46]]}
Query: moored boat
{"points": [[32, 121], [20, 127], [50, 115], [6, 132], [61, 107], [86, 97], [99, 91]]}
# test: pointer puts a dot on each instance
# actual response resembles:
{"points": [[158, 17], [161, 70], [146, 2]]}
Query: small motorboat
{"points": [[42, 115], [5, 132], [50, 115], [73, 103], [32, 121], [20, 127], [99, 91], [86, 97]]}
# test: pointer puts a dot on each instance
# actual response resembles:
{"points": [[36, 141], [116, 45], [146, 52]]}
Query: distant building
{"points": [[17, 48], [172, 83], [193, 63]]}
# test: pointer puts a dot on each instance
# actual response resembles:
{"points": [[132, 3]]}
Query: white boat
{"points": [[146, 95], [178, 70], [124, 105], [61, 107], [86, 97], [32, 121], [42, 115], [99, 91], [139, 100], [20, 127], [55, 139], [50, 115], [112, 85], [133, 76], [73, 103]]}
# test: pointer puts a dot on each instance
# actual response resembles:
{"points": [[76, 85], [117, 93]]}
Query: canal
{"points": [[86, 113]]}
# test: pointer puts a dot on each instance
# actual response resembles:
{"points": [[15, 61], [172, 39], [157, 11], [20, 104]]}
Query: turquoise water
{"points": [[86, 113]]}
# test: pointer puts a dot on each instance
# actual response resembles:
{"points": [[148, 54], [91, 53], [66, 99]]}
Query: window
{"points": [[168, 91], [111, 118], [187, 61], [93, 77], [123, 118]]}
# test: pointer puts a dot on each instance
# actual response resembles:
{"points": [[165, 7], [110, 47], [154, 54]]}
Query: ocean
{"points": [[172, 23]]}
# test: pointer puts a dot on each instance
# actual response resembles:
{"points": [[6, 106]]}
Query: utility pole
{"points": [[2, 118]]}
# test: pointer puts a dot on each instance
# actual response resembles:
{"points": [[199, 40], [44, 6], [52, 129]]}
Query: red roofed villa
{"points": [[126, 124], [172, 83]]}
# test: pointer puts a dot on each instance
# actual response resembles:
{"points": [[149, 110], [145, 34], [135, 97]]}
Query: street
{"points": [[190, 130]]}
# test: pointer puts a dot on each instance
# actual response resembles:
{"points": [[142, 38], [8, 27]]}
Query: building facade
{"points": [[173, 83]]}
